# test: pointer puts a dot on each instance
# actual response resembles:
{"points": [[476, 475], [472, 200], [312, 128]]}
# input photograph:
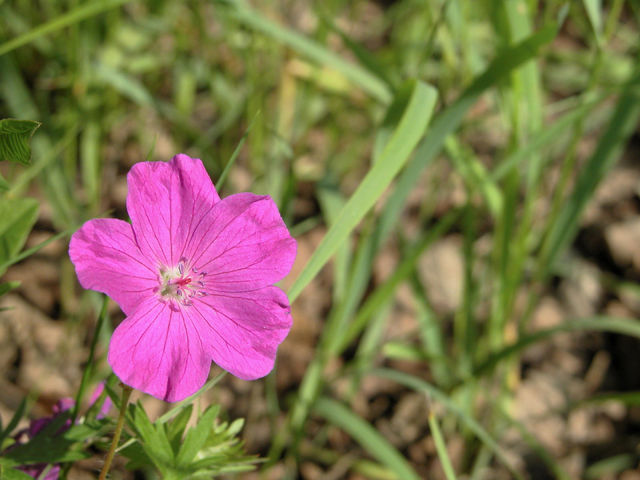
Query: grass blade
{"points": [[383, 293], [621, 125], [74, 16], [367, 436], [441, 448], [450, 119], [623, 326], [409, 131], [420, 385]]}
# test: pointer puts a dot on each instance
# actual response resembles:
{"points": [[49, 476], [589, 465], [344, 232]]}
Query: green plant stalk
{"points": [[524, 102], [464, 327], [32, 250], [441, 448], [126, 393], [92, 350], [234, 156]]}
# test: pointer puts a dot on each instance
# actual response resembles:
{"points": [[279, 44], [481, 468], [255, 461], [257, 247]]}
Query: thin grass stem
{"points": [[126, 393]]}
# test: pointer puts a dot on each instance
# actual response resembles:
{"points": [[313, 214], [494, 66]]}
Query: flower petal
{"points": [[243, 244], [158, 350], [107, 259], [242, 332], [166, 202]]}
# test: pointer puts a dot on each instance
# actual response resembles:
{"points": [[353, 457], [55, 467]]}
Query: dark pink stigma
{"points": [[182, 282]]}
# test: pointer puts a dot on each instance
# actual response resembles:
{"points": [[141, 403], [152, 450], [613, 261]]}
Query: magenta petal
{"points": [[241, 332], [244, 244], [166, 202], [158, 350], [106, 405], [108, 260]]}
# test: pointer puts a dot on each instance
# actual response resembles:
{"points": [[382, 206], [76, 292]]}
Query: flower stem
{"points": [[126, 393]]}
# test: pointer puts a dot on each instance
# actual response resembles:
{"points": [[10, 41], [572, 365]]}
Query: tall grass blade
{"points": [[450, 119], [409, 131], [622, 124], [441, 448], [367, 436], [622, 326], [420, 385]]}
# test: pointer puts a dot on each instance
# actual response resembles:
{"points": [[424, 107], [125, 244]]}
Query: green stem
{"points": [[92, 350], [126, 393]]}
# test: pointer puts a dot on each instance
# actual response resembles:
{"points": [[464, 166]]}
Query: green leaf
{"points": [[13, 423], [17, 217], [8, 473], [594, 12], [370, 439], [392, 159], [14, 140], [189, 400], [175, 428], [197, 436], [153, 438], [49, 446]]}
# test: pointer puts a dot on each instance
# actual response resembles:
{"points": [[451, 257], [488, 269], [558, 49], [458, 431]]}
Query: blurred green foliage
{"points": [[315, 94]]}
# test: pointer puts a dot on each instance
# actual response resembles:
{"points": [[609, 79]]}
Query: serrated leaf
{"points": [[197, 436], [14, 139], [17, 217], [175, 428], [138, 458], [154, 438], [48, 446]]}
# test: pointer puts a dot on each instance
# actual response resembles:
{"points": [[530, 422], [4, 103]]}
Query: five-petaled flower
{"points": [[194, 275]]}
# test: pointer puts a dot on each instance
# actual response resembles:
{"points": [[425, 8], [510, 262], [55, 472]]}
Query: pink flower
{"points": [[194, 274]]}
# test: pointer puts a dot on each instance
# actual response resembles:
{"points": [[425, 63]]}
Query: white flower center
{"points": [[180, 283]]}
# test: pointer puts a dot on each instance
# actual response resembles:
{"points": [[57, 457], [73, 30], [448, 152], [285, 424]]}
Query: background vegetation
{"points": [[466, 170]]}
